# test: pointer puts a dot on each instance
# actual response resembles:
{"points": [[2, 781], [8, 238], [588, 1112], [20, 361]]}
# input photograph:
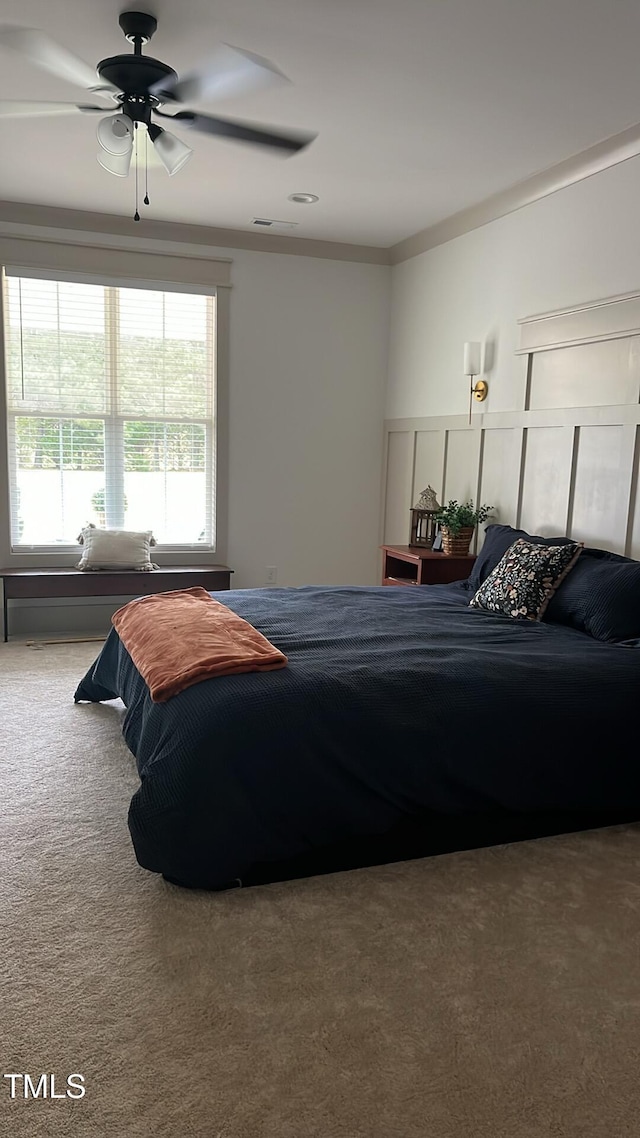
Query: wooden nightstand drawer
{"points": [[406, 565]]}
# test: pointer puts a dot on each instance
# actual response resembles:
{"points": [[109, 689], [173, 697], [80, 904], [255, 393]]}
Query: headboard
{"points": [[566, 461]]}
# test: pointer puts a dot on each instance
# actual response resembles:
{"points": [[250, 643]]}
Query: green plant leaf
{"points": [[456, 516]]}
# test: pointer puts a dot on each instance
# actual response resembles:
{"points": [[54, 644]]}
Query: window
{"points": [[110, 411]]}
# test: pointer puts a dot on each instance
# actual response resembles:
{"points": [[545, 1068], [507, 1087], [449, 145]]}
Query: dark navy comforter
{"points": [[395, 701]]}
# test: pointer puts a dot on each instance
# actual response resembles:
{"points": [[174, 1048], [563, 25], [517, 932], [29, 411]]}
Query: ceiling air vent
{"points": [[271, 223]]}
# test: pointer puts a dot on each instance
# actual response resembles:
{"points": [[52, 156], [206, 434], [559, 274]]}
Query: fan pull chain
{"points": [[146, 167], [136, 216]]}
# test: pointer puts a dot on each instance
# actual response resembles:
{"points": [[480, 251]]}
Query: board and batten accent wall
{"points": [[566, 462]]}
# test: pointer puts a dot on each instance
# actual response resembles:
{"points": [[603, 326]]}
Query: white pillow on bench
{"points": [[116, 549]]}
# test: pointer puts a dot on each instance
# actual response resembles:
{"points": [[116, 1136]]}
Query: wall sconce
{"points": [[478, 390]]}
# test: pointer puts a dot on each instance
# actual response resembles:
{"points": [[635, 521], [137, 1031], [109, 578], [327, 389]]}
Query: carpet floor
{"points": [[487, 994]]}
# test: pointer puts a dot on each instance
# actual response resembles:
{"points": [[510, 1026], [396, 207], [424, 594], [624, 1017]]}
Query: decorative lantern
{"points": [[423, 519]]}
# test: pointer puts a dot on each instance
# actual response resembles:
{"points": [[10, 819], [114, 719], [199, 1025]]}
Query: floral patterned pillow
{"points": [[524, 581]]}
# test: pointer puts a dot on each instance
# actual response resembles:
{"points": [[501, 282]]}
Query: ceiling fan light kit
{"points": [[115, 134], [118, 164], [141, 86], [171, 150]]}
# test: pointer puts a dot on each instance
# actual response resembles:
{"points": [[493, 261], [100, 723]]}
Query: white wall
{"points": [[581, 243], [308, 356], [308, 360]]}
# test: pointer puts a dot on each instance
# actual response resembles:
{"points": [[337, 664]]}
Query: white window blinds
{"points": [[110, 411]]}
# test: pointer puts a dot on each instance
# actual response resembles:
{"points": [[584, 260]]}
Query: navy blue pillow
{"points": [[601, 596], [498, 539]]}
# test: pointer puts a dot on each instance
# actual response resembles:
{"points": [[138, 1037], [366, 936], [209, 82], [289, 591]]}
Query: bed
{"points": [[406, 723]]}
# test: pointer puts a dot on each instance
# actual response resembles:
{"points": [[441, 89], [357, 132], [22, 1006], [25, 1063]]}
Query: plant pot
{"points": [[457, 545]]}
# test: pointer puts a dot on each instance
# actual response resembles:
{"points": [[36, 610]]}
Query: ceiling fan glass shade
{"points": [[172, 152], [115, 163], [115, 134]]}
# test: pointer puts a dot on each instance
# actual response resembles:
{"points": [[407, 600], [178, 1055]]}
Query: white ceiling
{"points": [[423, 107]]}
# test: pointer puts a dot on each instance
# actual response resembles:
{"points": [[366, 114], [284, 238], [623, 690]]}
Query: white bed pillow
{"points": [[116, 549]]}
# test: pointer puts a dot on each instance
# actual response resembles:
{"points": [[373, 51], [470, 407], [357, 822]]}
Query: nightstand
{"points": [[408, 565]]}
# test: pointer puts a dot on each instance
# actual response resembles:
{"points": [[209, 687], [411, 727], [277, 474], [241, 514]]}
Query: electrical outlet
{"points": [[271, 574]]}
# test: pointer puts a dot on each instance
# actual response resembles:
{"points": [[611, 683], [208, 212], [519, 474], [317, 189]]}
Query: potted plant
{"points": [[457, 522]]}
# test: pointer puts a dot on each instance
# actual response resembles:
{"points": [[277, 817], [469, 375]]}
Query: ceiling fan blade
{"points": [[15, 108], [49, 55], [230, 71], [289, 142]]}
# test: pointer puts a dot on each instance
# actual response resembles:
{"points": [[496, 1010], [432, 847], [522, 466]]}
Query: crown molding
{"points": [[618, 148], [56, 224]]}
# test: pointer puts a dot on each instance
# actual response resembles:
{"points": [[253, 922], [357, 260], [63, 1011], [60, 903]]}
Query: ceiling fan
{"points": [[142, 86]]}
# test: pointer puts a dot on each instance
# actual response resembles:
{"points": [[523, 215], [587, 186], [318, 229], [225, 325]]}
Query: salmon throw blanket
{"points": [[180, 638]]}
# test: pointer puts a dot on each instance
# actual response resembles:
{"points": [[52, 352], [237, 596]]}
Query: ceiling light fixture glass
{"points": [[172, 152], [115, 134], [303, 198], [117, 164]]}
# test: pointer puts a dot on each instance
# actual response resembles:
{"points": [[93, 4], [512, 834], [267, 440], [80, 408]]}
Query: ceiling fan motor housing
{"points": [[134, 75]]}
